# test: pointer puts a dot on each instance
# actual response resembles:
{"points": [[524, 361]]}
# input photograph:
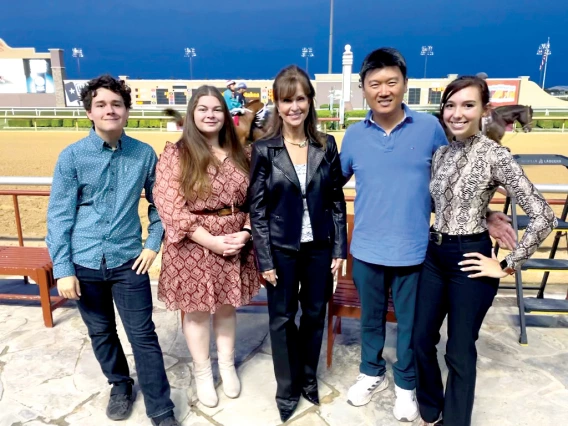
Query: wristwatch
{"points": [[249, 231], [506, 268]]}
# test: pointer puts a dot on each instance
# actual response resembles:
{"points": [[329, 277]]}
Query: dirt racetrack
{"points": [[35, 154]]}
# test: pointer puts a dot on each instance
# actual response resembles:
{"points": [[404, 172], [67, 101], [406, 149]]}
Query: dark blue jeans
{"points": [[446, 290], [133, 298], [373, 283]]}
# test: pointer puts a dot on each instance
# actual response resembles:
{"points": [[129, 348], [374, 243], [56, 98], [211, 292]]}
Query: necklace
{"points": [[300, 144]]}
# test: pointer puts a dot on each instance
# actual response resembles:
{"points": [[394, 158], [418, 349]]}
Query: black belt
{"points": [[440, 237], [225, 211]]}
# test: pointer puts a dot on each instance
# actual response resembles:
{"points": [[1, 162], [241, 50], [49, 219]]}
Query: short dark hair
{"points": [[106, 81], [382, 58]]}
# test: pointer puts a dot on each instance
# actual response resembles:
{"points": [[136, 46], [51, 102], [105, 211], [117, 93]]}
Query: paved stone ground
{"points": [[50, 376]]}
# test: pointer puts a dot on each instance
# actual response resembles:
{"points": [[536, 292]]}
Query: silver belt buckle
{"points": [[438, 240]]}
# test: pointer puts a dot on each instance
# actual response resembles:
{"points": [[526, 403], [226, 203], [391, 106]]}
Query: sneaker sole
{"points": [[408, 419], [382, 386]]}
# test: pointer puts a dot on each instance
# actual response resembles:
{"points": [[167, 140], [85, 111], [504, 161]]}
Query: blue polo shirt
{"points": [[392, 176]]}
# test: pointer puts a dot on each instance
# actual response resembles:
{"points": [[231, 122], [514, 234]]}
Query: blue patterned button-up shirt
{"points": [[93, 207]]}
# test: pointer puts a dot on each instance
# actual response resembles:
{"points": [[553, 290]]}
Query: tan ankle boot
{"points": [[231, 382], [206, 392]]}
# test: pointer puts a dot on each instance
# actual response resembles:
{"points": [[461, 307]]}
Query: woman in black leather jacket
{"points": [[298, 219]]}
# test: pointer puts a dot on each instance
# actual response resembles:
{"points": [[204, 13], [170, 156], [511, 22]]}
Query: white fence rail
{"points": [[22, 112], [61, 112]]}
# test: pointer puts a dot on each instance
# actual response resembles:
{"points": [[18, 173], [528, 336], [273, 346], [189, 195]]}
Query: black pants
{"points": [[443, 290], [133, 299], [296, 351]]}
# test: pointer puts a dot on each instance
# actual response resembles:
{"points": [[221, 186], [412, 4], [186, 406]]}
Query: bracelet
{"points": [[247, 230]]}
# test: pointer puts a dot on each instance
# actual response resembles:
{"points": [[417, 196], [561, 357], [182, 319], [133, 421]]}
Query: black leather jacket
{"points": [[275, 199]]}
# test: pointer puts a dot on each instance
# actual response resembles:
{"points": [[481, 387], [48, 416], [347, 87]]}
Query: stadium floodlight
{"points": [[78, 53], [426, 51], [544, 51], [190, 53], [307, 52]]}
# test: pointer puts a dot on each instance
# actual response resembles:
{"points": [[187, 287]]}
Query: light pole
{"points": [[329, 61], [426, 51], [307, 52], [544, 51], [78, 53], [190, 53], [331, 98]]}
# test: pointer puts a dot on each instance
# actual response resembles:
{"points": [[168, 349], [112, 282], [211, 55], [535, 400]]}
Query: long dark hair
{"points": [[461, 83], [285, 86], [194, 152]]}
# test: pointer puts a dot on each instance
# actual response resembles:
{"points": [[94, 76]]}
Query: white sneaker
{"points": [[405, 408], [361, 392]]}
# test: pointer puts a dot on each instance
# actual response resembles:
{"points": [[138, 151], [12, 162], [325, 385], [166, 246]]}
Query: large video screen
{"points": [[504, 92], [12, 76], [39, 77], [26, 76]]}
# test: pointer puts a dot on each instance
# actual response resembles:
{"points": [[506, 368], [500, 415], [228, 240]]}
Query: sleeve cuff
{"points": [[512, 264], [63, 270], [153, 242]]}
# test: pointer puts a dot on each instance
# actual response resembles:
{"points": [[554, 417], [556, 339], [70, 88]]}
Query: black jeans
{"points": [[296, 351], [446, 290], [133, 298]]}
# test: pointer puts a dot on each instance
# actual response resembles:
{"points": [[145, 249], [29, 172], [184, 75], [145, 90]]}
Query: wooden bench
{"points": [[345, 301], [35, 263]]}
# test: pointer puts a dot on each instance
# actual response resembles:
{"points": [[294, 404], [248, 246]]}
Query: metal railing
{"points": [[46, 181], [548, 188], [166, 119]]}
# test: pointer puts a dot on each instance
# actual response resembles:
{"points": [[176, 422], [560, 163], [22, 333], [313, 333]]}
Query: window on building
{"points": [[434, 96], [414, 96]]}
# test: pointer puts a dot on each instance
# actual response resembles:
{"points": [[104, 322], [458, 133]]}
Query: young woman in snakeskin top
{"points": [[461, 273]]}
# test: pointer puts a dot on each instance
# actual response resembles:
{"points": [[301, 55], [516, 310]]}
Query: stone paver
{"points": [[51, 377]]}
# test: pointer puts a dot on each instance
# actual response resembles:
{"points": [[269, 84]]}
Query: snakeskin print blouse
{"points": [[466, 174]]}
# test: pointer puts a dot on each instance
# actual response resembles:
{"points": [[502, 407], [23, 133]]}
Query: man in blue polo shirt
{"points": [[390, 154]]}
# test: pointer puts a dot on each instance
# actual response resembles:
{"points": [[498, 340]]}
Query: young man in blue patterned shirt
{"points": [[94, 237]]}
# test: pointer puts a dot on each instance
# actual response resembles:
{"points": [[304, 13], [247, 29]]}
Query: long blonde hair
{"points": [[194, 152]]}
